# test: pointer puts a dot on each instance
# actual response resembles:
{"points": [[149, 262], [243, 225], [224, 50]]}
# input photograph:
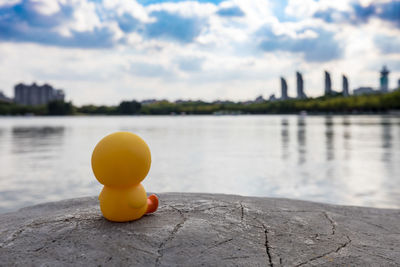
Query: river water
{"points": [[350, 160]]}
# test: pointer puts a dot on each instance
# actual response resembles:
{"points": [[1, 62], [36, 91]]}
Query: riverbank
{"points": [[338, 104], [203, 229]]}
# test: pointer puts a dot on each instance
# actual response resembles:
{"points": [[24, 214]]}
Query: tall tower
{"points": [[328, 83], [284, 89], [384, 80], [345, 91], [300, 86]]}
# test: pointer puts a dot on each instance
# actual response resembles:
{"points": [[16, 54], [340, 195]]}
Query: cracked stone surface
{"points": [[202, 229]]}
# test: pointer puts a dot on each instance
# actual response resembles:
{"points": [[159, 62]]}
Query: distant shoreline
{"points": [[332, 104], [311, 114]]}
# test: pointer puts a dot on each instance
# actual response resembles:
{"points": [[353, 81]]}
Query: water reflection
{"points": [[390, 159], [346, 137], [285, 137], [329, 135], [36, 132], [352, 160], [1, 138], [36, 139], [386, 132], [387, 141], [301, 139]]}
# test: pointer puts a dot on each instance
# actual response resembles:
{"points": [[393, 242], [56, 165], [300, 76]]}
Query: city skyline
{"points": [[104, 51], [383, 86], [38, 95]]}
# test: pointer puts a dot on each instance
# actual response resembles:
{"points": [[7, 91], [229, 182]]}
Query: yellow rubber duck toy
{"points": [[120, 161]]}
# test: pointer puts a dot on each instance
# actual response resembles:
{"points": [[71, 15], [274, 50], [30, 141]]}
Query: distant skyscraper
{"points": [[284, 89], [384, 80], [328, 83], [33, 95], [345, 86], [300, 86]]}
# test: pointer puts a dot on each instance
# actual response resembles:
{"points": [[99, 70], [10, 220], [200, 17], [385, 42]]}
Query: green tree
{"points": [[129, 107], [59, 107]]}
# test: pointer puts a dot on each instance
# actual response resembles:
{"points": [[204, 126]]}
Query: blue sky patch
{"points": [[319, 49], [230, 12], [174, 27], [150, 2]]}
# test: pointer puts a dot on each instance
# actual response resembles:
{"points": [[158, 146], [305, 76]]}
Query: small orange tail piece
{"points": [[152, 204]]}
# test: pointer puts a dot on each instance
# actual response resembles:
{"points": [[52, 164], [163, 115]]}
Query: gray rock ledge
{"points": [[202, 229]]}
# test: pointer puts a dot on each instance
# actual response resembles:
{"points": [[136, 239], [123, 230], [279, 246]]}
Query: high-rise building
{"points": [[384, 80], [284, 89], [300, 86], [345, 91], [328, 84], [33, 95]]}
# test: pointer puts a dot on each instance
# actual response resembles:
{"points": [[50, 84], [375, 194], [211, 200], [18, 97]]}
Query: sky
{"points": [[106, 51]]}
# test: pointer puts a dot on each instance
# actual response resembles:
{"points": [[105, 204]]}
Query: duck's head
{"points": [[121, 159]]}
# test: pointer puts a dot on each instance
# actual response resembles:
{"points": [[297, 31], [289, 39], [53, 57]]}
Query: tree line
{"points": [[326, 104]]}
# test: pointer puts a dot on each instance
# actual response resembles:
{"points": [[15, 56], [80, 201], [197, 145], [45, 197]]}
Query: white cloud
{"points": [[4, 3], [301, 8], [258, 12], [131, 7], [185, 9], [306, 8], [85, 17], [46, 7], [223, 61]]}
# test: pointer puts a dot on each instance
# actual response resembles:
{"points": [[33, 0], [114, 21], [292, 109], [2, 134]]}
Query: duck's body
{"points": [[123, 204], [120, 161]]}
